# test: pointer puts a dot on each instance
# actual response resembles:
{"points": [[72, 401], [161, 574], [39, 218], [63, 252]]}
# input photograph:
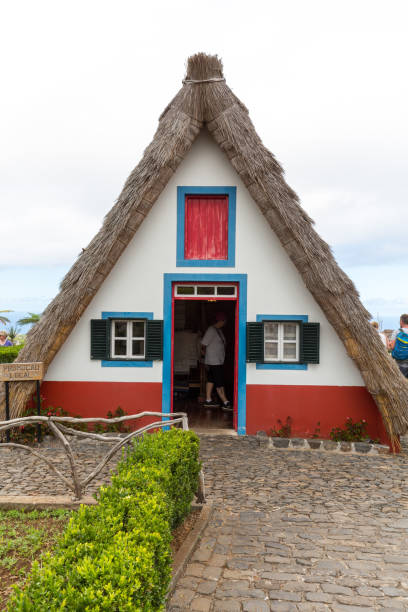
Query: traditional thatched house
{"points": [[206, 222]]}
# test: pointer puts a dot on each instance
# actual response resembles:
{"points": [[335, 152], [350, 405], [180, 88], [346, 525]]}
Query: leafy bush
{"points": [[9, 353], [116, 555], [284, 431], [352, 432]]}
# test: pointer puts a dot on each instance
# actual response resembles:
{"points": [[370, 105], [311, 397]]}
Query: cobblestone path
{"points": [[21, 473], [299, 530]]}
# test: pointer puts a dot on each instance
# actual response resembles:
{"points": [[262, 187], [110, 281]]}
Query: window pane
{"points": [[138, 329], [205, 290], [225, 290], [289, 331], [137, 348], [271, 331], [289, 350], [120, 329], [271, 350], [120, 347], [185, 290]]}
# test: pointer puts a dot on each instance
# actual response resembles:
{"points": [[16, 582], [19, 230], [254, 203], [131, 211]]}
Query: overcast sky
{"points": [[84, 82]]}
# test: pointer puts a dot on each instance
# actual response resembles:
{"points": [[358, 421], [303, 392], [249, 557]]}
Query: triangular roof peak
{"points": [[205, 99]]}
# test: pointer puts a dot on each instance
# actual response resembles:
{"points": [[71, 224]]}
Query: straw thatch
{"points": [[210, 103]]}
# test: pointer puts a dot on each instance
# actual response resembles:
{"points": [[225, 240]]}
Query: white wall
{"points": [[136, 283]]}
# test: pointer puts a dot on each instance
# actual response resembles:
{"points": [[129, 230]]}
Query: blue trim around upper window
{"points": [[116, 363], [169, 279], [281, 366], [182, 192]]}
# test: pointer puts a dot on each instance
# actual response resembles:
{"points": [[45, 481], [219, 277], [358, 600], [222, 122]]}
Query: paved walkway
{"points": [[21, 473], [299, 530], [292, 530]]}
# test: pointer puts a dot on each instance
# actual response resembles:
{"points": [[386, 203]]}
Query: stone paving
{"points": [[21, 473], [299, 531], [292, 530]]}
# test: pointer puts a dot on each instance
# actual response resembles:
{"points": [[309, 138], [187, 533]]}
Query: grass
{"points": [[24, 536]]}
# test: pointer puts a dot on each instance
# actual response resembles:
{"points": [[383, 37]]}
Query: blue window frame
{"points": [[118, 363], [182, 192], [281, 366]]}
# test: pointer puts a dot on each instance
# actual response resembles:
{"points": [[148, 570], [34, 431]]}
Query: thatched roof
{"points": [[205, 101]]}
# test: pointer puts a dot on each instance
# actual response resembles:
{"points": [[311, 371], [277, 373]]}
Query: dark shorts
{"points": [[403, 369], [216, 375]]}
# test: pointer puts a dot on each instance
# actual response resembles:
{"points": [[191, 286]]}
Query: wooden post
{"points": [[38, 411], [7, 408]]}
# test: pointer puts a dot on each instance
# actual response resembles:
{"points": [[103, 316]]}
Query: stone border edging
{"points": [[322, 445], [43, 502], [185, 551]]}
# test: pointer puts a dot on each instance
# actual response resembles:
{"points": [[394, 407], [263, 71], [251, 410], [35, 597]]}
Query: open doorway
{"points": [[192, 315]]}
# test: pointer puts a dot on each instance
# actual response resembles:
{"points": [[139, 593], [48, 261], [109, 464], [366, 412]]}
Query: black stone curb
{"points": [[322, 445], [183, 555]]}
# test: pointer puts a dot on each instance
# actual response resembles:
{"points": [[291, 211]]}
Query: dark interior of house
{"points": [[191, 320]]}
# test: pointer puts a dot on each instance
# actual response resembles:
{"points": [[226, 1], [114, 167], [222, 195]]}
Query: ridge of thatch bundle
{"points": [[206, 100]]}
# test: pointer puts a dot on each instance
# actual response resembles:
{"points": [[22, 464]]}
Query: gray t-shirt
{"points": [[214, 341]]}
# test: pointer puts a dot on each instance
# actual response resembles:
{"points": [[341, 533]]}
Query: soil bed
{"points": [[24, 536], [182, 531]]}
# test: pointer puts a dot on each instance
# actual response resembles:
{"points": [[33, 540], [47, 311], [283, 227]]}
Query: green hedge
{"points": [[9, 353], [116, 556]]}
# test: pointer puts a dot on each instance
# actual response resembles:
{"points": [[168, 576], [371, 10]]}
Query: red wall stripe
{"points": [[306, 405], [90, 399]]}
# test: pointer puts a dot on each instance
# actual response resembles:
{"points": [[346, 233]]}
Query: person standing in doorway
{"points": [[213, 346]]}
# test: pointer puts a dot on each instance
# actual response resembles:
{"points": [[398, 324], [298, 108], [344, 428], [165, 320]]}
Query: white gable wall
{"points": [[136, 284]]}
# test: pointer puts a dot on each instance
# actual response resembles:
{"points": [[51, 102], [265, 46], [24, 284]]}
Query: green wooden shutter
{"points": [[310, 343], [154, 340], [255, 342], [100, 338]]}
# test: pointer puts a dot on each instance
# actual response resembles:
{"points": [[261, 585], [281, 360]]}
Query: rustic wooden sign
{"points": [[21, 371]]}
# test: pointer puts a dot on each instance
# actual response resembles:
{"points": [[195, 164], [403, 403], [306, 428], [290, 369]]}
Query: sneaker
{"points": [[211, 404], [227, 407]]}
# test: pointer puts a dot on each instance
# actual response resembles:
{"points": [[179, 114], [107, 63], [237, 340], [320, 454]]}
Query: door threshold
{"points": [[214, 431]]}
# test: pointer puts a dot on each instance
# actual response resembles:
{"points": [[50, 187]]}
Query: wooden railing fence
{"points": [[58, 427]]}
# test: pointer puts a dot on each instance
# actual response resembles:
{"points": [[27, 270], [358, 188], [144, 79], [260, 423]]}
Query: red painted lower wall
{"points": [[91, 399], [266, 404], [308, 405]]}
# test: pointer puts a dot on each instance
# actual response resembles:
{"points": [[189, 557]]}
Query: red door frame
{"points": [[215, 298]]}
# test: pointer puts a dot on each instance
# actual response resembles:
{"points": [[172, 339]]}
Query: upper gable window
{"points": [[206, 226]]}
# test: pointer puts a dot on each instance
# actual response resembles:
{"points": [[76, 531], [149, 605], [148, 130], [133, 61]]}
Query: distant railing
{"points": [[57, 428]]}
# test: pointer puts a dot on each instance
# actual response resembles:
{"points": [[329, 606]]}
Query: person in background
{"points": [[398, 344], [213, 347], [382, 336], [3, 339]]}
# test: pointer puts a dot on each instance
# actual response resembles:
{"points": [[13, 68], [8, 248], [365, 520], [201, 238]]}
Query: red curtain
{"points": [[206, 227]]}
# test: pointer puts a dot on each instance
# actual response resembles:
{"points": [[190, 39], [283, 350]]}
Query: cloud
{"points": [[362, 227], [53, 208]]}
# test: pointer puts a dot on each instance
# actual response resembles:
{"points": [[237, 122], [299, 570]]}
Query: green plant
{"points": [[31, 318], [9, 353], [284, 431], [27, 434], [12, 332], [116, 555], [4, 320], [352, 432], [316, 433], [119, 427]]}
